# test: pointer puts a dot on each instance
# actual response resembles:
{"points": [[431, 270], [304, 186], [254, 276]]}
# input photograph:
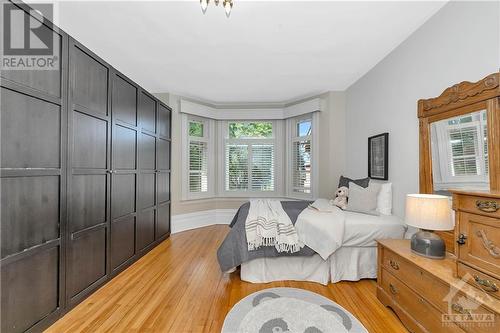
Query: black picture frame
{"points": [[378, 156]]}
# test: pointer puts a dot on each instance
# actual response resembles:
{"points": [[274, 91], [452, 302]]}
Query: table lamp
{"points": [[428, 212]]}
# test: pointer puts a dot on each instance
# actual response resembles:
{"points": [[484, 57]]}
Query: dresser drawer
{"points": [[433, 290], [428, 316], [480, 280], [482, 245], [478, 205], [421, 281]]}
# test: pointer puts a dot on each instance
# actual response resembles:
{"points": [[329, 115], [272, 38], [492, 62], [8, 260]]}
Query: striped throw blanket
{"points": [[267, 224]]}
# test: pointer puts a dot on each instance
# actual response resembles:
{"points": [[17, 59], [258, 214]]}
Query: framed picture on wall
{"points": [[378, 156]]}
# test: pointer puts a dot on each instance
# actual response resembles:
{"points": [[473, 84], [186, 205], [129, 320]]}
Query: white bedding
{"points": [[355, 260], [362, 229], [321, 229], [346, 264]]}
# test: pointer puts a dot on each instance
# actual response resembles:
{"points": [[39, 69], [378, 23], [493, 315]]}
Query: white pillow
{"points": [[384, 199], [363, 200]]}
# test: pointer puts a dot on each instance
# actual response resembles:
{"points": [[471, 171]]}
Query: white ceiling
{"points": [[267, 51]]}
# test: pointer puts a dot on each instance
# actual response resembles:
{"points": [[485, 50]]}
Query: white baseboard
{"points": [[204, 218]]}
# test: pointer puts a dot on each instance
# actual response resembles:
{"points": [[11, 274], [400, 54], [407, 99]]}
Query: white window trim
{"points": [[445, 155], [277, 140], [291, 125], [209, 138]]}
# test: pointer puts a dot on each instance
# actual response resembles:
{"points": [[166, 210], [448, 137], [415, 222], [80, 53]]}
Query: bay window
{"points": [[250, 156]]}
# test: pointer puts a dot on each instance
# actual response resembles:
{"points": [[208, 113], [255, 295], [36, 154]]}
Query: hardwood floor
{"points": [[178, 287]]}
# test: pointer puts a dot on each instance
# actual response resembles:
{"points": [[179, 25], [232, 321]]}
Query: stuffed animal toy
{"points": [[341, 197]]}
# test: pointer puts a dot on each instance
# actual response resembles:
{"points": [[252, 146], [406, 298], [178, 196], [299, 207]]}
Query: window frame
{"points": [[276, 141], [292, 137], [209, 139]]}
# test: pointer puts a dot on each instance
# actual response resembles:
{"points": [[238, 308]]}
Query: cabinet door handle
{"points": [[393, 289], [493, 250], [488, 206], [394, 264], [486, 285]]}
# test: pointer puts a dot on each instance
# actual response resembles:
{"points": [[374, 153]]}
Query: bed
{"points": [[355, 260], [352, 256]]}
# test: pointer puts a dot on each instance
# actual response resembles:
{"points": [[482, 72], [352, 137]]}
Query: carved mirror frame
{"points": [[460, 99]]}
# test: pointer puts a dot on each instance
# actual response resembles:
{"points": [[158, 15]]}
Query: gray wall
{"points": [[460, 42]]}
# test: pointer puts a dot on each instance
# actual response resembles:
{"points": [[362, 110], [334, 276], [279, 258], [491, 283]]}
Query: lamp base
{"points": [[428, 244]]}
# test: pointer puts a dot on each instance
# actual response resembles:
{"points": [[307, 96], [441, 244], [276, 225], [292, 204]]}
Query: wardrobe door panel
{"points": [[147, 190], [29, 290], [147, 113], [163, 154], [122, 240], [87, 258], [30, 212], [30, 132], [122, 195], [148, 152], [145, 228], [163, 225], [164, 121], [90, 82], [124, 148], [89, 182], [163, 187], [90, 137], [88, 201], [124, 101]]}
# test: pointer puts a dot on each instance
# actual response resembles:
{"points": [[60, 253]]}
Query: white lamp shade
{"points": [[429, 212]]}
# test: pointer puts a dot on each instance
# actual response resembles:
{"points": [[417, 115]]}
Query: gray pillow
{"points": [[363, 200], [344, 181]]}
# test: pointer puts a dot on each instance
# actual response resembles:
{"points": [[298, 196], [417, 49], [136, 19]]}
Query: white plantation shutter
{"points": [[485, 147], [262, 172], [464, 150], [301, 166], [236, 167], [198, 172], [198, 167]]}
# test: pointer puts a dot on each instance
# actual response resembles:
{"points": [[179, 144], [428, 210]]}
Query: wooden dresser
{"points": [[478, 239], [427, 295]]}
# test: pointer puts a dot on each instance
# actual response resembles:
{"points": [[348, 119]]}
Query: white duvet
{"points": [[321, 228]]}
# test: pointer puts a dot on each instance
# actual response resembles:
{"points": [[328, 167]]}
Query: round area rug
{"points": [[280, 310]]}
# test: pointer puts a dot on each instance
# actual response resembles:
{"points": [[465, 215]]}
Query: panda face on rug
{"points": [[293, 310], [272, 313]]}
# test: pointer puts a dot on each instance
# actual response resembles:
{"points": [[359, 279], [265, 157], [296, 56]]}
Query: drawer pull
{"points": [[486, 285], [461, 239], [487, 206], [488, 245], [393, 289], [394, 264], [460, 309]]}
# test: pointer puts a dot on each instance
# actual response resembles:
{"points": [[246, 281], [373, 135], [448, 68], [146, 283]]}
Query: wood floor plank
{"points": [[178, 287]]}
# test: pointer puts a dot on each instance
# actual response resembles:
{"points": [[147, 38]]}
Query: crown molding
{"points": [[243, 112]]}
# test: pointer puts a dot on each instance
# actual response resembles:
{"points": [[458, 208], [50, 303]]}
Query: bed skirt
{"points": [[346, 264]]}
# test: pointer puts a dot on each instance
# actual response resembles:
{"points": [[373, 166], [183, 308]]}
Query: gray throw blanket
{"points": [[234, 249]]}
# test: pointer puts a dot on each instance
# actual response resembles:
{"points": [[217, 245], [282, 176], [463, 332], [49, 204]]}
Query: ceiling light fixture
{"points": [[227, 4]]}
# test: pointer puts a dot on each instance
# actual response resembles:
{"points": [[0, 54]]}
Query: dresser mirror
{"points": [[459, 150], [459, 142]]}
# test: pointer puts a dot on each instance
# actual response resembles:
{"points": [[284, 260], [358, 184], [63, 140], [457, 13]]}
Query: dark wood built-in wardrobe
{"points": [[85, 182]]}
